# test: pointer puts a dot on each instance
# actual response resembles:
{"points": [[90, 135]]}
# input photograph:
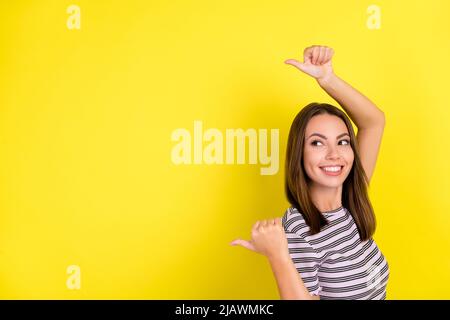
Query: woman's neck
{"points": [[326, 198]]}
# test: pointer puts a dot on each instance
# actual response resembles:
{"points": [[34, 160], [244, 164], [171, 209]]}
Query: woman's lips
{"points": [[332, 173]]}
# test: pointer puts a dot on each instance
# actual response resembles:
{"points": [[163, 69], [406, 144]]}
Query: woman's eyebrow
{"points": [[322, 136]]}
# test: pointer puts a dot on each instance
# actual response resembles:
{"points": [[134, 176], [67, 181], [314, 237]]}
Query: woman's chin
{"points": [[330, 183]]}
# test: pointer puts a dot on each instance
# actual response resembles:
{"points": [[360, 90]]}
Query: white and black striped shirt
{"points": [[335, 263]]}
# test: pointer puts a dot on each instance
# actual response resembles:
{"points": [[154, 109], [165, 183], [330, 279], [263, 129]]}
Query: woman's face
{"points": [[327, 147]]}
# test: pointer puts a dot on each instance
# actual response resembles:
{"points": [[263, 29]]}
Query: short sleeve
{"points": [[302, 253]]}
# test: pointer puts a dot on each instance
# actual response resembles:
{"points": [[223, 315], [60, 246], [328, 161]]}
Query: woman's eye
{"points": [[319, 143]]}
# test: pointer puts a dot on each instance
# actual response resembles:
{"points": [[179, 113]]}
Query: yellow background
{"points": [[86, 176]]}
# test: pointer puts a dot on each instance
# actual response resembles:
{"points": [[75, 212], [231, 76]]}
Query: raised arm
{"points": [[369, 119]]}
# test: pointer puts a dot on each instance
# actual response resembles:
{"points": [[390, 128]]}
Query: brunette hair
{"points": [[354, 190]]}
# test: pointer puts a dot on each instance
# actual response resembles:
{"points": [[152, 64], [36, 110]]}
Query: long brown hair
{"points": [[354, 190]]}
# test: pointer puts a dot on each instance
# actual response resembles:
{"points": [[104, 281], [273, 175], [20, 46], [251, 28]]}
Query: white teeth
{"points": [[332, 169]]}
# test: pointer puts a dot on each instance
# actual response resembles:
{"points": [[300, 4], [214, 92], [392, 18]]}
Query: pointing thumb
{"points": [[243, 243], [296, 64]]}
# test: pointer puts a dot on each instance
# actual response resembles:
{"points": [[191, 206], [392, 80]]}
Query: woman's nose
{"points": [[333, 153]]}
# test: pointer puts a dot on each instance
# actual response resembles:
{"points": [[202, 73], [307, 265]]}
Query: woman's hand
{"points": [[268, 238], [316, 62]]}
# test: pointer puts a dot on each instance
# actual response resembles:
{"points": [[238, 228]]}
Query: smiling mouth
{"points": [[332, 170]]}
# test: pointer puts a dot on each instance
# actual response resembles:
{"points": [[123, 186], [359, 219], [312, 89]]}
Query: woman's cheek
{"points": [[311, 168], [309, 172], [350, 158]]}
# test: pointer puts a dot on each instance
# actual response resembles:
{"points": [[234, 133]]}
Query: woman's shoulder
{"points": [[293, 220]]}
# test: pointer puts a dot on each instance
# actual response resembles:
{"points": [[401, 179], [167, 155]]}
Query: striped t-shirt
{"points": [[335, 263]]}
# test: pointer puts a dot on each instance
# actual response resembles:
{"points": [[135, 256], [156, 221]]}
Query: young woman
{"points": [[326, 234]]}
